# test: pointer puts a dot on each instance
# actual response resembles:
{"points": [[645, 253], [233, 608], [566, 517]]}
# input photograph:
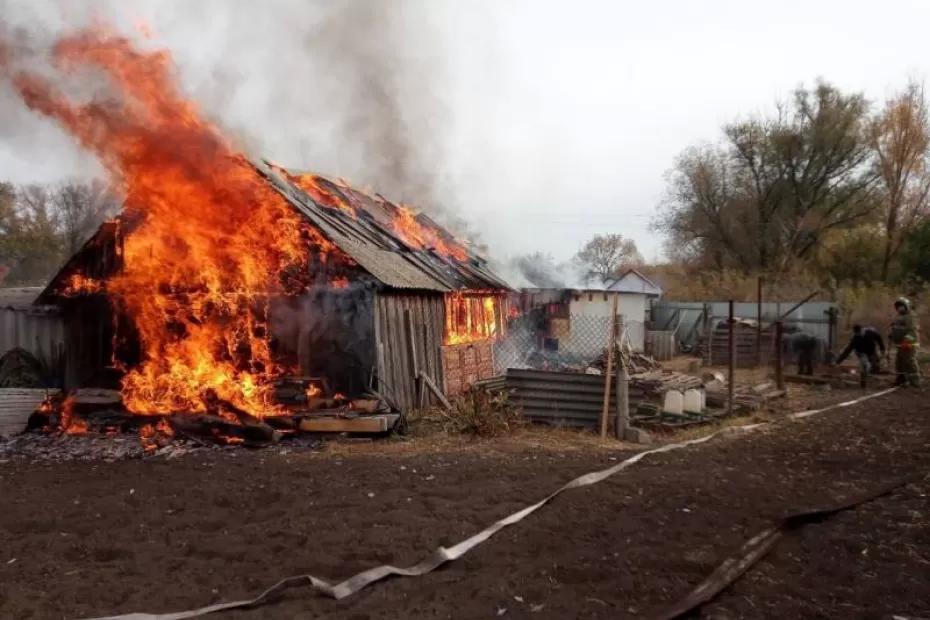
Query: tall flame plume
{"points": [[211, 241]]}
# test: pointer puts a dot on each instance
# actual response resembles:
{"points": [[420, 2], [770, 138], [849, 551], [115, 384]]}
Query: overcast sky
{"points": [[539, 123]]}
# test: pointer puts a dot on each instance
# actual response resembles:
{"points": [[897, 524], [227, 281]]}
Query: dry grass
{"points": [[477, 412], [433, 432], [528, 438]]}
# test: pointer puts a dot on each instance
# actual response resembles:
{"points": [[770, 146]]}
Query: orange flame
{"points": [[70, 423], [310, 184], [149, 434], [407, 227], [78, 284], [213, 239], [470, 318]]}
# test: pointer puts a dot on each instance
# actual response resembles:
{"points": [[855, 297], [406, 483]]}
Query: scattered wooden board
{"points": [[362, 424]]}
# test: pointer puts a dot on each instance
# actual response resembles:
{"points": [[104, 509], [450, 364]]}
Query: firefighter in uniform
{"points": [[905, 336], [869, 348]]}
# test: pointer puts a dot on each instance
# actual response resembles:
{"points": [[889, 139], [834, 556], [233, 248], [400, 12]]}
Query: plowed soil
{"points": [[89, 539]]}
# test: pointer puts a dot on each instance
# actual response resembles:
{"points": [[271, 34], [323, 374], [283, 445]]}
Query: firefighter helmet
{"points": [[902, 301]]}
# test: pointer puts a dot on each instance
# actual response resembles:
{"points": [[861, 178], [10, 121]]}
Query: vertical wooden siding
{"points": [[396, 371], [40, 333]]}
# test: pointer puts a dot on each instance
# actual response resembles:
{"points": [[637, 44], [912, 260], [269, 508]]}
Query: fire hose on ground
{"points": [[731, 569]]}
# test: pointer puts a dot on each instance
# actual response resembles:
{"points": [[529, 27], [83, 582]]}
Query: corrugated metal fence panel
{"points": [[567, 398], [393, 338], [811, 317], [661, 345], [39, 332]]}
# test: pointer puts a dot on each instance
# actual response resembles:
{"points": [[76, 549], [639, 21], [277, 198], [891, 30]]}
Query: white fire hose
{"points": [[447, 554]]}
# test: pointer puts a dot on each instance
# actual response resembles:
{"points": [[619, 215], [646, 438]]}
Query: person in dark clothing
{"points": [[805, 347], [869, 348]]}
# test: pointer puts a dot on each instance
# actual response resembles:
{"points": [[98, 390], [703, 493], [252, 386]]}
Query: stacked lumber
{"points": [[648, 380], [634, 362], [654, 384]]}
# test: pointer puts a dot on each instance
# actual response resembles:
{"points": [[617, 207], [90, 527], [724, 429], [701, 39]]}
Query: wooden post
{"points": [[759, 322], [732, 364], [779, 370], [831, 329], [708, 335], [612, 340], [412, 348], [623, 394]]}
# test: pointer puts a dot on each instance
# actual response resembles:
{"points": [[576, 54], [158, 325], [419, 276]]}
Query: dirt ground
{"points": [[86, 539]]}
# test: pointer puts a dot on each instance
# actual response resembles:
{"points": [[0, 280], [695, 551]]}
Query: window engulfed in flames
{"points": [[472, 318]]}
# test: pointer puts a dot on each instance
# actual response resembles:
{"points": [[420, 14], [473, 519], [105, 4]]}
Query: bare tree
{"points": [[605, 255], [41, 226], [82, 207], [767, 196], [30, 247], [900, 136]]}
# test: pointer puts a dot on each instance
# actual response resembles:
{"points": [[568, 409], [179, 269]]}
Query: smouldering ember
{"points": [[81, 285], [70, 423]]}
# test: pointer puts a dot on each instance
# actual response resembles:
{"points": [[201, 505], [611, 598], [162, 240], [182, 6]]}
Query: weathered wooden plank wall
{"points": [[88, 329], [394, 333]]}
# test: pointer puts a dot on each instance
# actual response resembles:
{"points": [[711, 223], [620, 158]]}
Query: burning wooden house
{"points": [[384, 300], [227, 286]]}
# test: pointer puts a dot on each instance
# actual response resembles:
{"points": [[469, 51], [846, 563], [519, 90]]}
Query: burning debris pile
{"points": [[96, 414]]}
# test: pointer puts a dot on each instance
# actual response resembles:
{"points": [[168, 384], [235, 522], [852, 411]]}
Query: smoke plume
{"points": [[354, 90]]}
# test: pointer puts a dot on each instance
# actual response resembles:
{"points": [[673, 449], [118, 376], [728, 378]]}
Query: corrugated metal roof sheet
{"points": [[369, 240]]}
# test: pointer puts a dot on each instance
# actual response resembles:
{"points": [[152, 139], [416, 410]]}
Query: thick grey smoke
{"points": [[540, 123], [355, 90]]}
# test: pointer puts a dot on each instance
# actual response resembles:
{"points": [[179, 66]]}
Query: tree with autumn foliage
{"points": [[605, 256], [900, 138]]}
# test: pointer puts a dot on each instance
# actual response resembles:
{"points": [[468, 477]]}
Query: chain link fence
{"points": [[569, 344]]}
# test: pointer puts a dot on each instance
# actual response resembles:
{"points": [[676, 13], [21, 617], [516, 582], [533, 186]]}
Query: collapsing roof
{"points": [[365, 234], [368, 238]]}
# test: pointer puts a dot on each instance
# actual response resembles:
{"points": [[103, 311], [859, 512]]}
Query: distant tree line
{"points": [[828, 185], [41, 226]]}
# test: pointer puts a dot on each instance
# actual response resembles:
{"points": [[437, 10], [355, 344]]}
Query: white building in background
{"points": [[577, 316], [634, 293]]}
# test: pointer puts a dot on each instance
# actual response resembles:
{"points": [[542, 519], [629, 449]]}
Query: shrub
{"points": [[477, 412]]}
